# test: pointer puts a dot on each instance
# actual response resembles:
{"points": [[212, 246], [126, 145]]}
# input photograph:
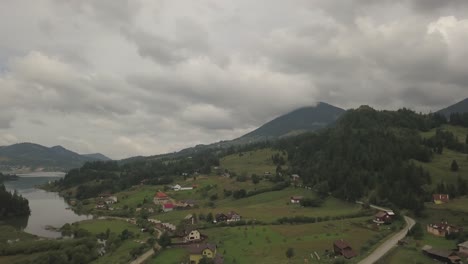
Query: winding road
{"points": [[389, 244]]}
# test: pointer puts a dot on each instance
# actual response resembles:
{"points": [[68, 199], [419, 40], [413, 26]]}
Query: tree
{"points": [[417, 231], [164, 240], [255, 179], [454, 166], [290, 253], [209, 217]]}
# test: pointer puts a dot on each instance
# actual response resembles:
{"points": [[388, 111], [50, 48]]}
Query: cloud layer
{"points": [[145, 77]]}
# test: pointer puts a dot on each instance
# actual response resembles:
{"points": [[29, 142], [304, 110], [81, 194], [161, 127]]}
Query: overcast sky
{"points": [[143, 77]]}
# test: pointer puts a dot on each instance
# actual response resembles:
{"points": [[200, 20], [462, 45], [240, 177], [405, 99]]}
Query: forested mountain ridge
{"points": [[37, 156], [302, 120]]}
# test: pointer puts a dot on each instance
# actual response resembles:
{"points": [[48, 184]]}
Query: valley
{"points": [[290, 200]]}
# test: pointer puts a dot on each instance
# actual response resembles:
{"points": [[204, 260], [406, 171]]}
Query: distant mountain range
{"points": [[31, 157], [460, 107]]}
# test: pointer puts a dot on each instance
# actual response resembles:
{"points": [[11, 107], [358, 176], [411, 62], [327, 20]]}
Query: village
{"points": [[189, 232], [189, 228]]}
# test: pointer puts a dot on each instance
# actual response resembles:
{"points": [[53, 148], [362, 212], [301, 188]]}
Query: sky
{"points": [[143, 77]]}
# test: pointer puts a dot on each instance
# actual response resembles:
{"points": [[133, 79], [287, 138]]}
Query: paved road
{"points": [[143, 257], [389, 244], [150, 252]]}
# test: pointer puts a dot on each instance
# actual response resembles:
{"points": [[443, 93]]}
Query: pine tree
{"points": [[454, 166]]}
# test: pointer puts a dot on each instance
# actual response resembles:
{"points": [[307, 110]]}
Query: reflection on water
{"points": [[47, 208]]}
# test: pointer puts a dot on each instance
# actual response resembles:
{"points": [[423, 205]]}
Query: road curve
{"points": [[389, 244]]}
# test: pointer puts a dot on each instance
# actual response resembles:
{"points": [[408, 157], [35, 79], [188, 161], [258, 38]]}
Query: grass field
{"points": [[457, 205], [411, 253], [269, 206], [256, 161], [459, 132], [268, 244], [119, 256], [115, 226], [439, 167], [169, 256]]}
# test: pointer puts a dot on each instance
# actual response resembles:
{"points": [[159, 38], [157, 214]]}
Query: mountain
{"points": [[460, 107], [298, 121], [30, 156], [97, 156]]}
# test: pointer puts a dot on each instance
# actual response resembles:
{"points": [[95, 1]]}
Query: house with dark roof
{"points": [[384, 217], [233, 217], [463, 249], [192, 235], [440, 198], [341, 247], [442, 229], [220, 217], [200, 251], [445, 256]]}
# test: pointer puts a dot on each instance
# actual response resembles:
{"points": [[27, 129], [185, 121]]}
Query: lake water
{"points": [[47, 208]]}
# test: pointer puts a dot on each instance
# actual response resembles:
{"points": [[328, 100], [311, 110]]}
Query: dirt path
{"points": [[389, 244]]}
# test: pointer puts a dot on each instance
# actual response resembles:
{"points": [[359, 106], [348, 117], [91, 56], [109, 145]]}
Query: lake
{"points": [[47, 208]]}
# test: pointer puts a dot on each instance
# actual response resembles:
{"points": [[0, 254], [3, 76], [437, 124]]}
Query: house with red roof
{"points": [[440, 198], [167, 207], [161, 198]]}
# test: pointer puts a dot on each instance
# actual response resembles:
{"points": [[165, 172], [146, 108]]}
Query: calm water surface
{"points": [[47, 208]]}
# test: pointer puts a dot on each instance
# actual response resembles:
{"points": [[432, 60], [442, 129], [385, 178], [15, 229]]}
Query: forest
{"points": [[12, 204]]}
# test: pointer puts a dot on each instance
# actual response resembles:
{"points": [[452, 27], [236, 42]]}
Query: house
{"points": [[104, 195], [176, 187], [101, 205], [341, 247], [384, 217], [189, 219], [233, 217], [111, 200], [199, 251], [463, 249], [442, 229], [160, 198], [296, 199], [445, 256], [440, 198], [193, 235], [220, 217], [167, 207], [295, 177]]}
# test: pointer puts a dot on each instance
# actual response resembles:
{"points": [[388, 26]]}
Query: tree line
{"points": [[12, 204]]}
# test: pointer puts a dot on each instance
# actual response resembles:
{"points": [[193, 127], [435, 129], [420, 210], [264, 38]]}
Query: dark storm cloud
{"points": [[144, 77]]}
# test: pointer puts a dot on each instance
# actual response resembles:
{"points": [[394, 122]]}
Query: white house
{"points": [[111, 200], [176, 187], [296, 199], [194, 235]]}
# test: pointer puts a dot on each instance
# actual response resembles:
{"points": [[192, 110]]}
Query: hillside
{"points": [[32, 156], [300, 120], [460, 107]]}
